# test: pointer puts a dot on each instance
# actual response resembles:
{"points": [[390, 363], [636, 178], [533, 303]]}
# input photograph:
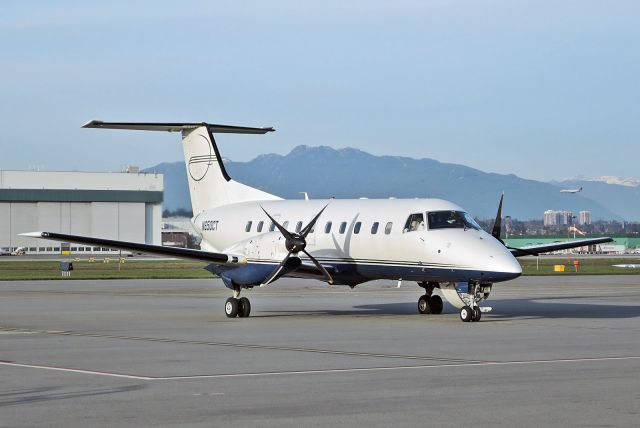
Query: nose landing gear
{"points": [[471, 298], [467, 298], [470, 314]]}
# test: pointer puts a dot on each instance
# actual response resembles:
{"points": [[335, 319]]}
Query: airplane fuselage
{"points": [[363, 239]]}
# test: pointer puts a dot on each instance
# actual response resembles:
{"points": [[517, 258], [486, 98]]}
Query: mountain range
{"points": [[324, 172]]}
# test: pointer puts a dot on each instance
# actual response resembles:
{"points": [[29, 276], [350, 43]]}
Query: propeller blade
{"points": [[276, 271], [319, 266], [497, 225], [304, 232], [282, 230]]}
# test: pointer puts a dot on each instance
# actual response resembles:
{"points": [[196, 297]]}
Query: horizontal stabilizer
{"points": [[176, 127]]}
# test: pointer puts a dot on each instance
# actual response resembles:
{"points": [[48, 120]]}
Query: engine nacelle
{"points": [[263, 254], [264, 247]]}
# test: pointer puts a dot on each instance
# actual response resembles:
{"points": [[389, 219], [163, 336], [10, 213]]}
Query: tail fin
{"points": [[209, 183]]}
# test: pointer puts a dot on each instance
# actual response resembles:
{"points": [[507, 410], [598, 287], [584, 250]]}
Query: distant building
{"points": [[123, 206], [558, 218], [584, 217], [550, 218], [179, 232]]}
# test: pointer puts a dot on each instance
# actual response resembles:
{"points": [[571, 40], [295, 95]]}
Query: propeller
{"points": [[295, 243]]}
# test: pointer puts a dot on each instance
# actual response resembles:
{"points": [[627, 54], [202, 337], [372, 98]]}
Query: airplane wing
{"points": [[534, 250], [184, 253]]}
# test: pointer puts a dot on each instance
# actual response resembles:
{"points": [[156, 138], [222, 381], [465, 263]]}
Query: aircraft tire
{"points": [[424, 304], [231, 307], [466, 313], [436, 304], [477, 314], [244, 307]]}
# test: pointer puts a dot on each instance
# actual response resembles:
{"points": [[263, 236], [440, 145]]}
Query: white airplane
{"points": [[252, 238], [571, 190], [20, 251]]}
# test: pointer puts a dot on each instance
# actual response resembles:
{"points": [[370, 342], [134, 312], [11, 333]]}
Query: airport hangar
{"points": [[124, 205]]}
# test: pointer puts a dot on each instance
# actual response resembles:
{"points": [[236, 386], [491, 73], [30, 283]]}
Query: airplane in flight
{"points": [[571, 190], [252, 238]]}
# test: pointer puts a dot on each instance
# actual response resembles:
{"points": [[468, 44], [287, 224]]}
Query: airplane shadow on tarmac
{"points": [[35, 395], [542, 308], [502, 309]]}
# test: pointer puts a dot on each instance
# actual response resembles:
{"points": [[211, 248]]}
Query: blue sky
{"points": [[542, 89]]}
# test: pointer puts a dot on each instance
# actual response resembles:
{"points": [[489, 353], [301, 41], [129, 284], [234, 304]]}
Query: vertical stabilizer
{"points": [[209, 183]]}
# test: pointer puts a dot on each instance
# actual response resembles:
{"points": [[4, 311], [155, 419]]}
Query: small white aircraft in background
{"points": [[571, 190], [252, 238]]}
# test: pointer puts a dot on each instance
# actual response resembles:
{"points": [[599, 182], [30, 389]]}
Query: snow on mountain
{"points": [[610, 179]]}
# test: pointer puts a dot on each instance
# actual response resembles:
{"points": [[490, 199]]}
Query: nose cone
{"points": [[489, 256], [506, 266]]}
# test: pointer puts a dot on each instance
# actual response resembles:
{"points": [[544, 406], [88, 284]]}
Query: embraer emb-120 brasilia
{"points": [[252, 238]]}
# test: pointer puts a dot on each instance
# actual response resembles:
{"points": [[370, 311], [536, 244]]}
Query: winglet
{"points": [[497, 225]]}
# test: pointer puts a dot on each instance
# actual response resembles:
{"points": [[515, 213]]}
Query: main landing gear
{"points": [[429, 303], [237, 307]]}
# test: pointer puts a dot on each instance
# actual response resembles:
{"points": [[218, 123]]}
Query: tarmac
{"points": [[555, 351]]}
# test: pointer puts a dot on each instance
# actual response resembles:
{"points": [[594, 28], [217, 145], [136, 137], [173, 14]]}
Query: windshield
{"points": [[451, 220]]}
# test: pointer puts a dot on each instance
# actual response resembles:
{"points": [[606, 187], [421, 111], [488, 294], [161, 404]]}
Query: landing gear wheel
{"points": [[466, 313], [436, 304], [244, 307], [424, 304], [477, 314], [231, 307]]}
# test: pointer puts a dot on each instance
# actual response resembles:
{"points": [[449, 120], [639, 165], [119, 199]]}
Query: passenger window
{"points": [[387, 228], [272, 227], [414, 222], [356, 228], [298, 227], [343, 226], [327, 228], [374, 228], [247, 228], [259, 228]]}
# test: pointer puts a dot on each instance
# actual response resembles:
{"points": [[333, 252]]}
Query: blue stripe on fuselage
{"points": [[356, 273]]}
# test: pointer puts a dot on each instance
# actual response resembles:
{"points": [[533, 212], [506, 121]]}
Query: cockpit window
{"points": [[414, 222], [451, 220]]}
